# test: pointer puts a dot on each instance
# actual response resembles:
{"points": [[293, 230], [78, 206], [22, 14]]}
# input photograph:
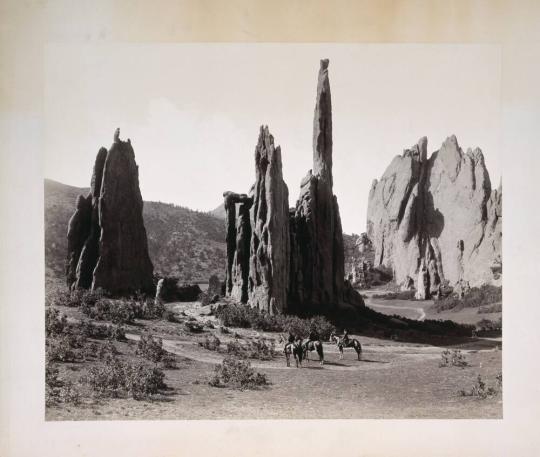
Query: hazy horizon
{"points": [[193, 111]]}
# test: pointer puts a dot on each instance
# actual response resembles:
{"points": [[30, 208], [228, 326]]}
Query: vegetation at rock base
{"points": [[233, 315], [475, 298]]}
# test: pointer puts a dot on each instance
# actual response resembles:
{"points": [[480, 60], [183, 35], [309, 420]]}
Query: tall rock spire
{"points": [[322, 127], [114, 256], [317, 260], [269, 259]]}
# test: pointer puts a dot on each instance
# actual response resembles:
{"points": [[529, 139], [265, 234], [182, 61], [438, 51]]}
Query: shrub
{"points": [[107, 351], [475, 297], [247, 317], [56, 390], [55, 323], [237, 374], [91, 330], [116, 378], [397, 295], [152, 349], [479, 390], [212, 343], [121, 311], [487, 325], [65, 347], [256, 349], [454, 358]]}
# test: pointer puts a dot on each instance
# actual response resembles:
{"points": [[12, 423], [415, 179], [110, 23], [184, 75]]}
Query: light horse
{"points": [[353, 343], [316, 345], [295, 349]]}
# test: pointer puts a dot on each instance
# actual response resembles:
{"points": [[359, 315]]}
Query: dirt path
{"points": [[374, 357], [420, 311], [397, 304]]}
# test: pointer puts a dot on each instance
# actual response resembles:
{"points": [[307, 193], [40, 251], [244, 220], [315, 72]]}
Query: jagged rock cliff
{"points": [[436, 218], [115, 253], [317, 259]]}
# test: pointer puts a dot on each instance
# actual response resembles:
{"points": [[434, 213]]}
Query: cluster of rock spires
{"points": [[436, 220], [289, 260], [107, 244]]}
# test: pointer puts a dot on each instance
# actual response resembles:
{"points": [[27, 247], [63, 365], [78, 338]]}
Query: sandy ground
{"points": [[393, 380]]}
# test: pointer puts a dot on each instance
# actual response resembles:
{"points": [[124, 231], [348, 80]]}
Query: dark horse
{"points": [[352, 343], [296, 350], [315, 345]]}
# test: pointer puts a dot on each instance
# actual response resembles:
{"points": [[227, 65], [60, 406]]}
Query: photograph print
{"points": [[272, 231]]}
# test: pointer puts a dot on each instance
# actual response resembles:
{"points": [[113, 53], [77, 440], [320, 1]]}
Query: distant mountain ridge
{"points": [[182, 242]]}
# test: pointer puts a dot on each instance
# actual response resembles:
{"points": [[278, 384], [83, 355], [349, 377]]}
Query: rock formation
{"points": [[437, 213], [90, 253], [296, 256], [78, 231], [115, 253], [269, 252], [258, 237], [238, 244], [317, 262]]}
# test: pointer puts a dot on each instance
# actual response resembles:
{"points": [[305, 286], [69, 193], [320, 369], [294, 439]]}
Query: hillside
{"points": [[184, 243]]}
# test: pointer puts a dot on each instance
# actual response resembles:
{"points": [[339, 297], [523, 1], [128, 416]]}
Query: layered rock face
{"points": [[317, 260], [436, 217], [78, 231], [115, 252], [258, 237], [269, 249], [238, 244]]}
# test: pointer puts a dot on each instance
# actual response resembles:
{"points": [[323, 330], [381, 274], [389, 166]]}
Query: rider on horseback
{"points": [[313, 336], [346, 339]]}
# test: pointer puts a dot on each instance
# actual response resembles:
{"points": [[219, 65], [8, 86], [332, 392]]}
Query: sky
{"points": [[193, 112]]}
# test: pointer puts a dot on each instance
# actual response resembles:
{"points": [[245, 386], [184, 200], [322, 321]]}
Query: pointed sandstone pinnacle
{"points": [[322, 127], [115, 253], [269, 251], [317, 258]]}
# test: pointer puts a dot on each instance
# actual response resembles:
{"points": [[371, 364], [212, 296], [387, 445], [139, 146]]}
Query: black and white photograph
{"points": [[263, 233]]}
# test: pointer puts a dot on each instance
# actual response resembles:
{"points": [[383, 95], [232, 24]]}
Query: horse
{"points": [[295, 349], [353, 343], [315, 345]]}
